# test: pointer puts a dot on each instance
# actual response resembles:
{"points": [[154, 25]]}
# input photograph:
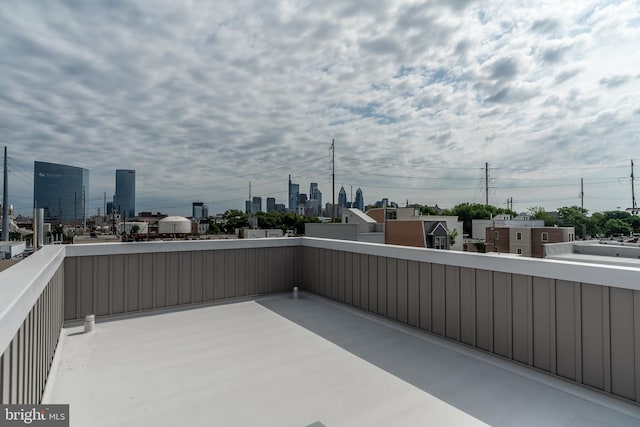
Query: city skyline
{"points": [[419, 96]]}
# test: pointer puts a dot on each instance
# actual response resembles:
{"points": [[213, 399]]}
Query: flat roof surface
{"points": [[596, 259], [279, 361]]}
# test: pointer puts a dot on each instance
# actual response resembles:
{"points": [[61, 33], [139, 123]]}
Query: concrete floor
{"points": [[276, 361]]}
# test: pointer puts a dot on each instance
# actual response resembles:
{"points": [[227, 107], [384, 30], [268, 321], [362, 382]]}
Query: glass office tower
{"points": [[62, 191], [125, 200]]}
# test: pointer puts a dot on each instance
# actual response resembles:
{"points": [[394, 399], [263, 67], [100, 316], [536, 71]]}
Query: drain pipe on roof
{"points": [[89, 323]]}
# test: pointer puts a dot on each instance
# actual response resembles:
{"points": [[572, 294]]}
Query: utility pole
{"points": [[634, 206], [105, 208], [5, 202], [486, 183], [333, 179], [582, 192]]}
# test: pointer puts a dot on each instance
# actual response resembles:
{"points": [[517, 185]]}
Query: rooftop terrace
{"points": [[284, 362], [195, 333]]}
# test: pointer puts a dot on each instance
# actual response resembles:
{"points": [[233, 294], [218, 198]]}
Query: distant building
{"points": [[595, 252], [271, 204], [294, 193], [525, 241], [342, 198], [200, 210], [382, 214], [315, 194], [418, 232], [280, 207], [253, 206], [312, 207], [302, 199], [60, 190], [479, 226], [355, 226], [125, 199], [256, 205], [405, 226], [359, 202]]}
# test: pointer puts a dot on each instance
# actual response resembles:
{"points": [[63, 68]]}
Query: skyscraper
{"points": [[61, 191], [125, 200], [200, 210], [315, 194], [359, 202], [342, 197], [294, 194], [271, 204], [256, 205]]}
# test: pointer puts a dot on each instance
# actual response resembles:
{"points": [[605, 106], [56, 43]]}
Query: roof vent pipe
{"points": [[89, 323]]}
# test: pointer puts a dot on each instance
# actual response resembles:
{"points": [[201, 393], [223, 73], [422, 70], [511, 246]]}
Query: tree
{"points": [[467, 212], [452, 237], [428, 210], [234, 219], [134, 229], [617, 227], [214, 227], [632, 220], [575, 216], [538, 212]]}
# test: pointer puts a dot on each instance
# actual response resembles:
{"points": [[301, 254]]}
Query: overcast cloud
{"points": [[203, 97]]}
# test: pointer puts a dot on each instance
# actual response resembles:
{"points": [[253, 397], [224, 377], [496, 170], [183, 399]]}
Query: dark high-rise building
{"points": [[359, 202], [125, 199], [342, 197], [271, 204], [256, 204], [61, 190], [199, 210], [294, 194]]}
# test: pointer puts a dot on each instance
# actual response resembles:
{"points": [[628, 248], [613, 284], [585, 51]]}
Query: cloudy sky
{"points": [[201, 97]]}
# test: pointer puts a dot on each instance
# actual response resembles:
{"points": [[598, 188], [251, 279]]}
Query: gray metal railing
{"points": [[544, 314], [31, 316]]}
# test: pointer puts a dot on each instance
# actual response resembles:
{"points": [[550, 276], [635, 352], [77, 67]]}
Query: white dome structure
{"points": [[174, 225]]}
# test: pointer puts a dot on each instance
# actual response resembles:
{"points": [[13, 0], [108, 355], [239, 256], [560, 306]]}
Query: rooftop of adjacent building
{"points": [[595, 252], [276, 360]]}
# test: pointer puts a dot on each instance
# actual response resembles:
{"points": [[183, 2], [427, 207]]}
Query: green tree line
{"points": [[608, 223], [234, 219]]}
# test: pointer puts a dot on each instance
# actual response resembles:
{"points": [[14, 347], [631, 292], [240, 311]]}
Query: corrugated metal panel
{"points": [[452, 302], [468, 306]]}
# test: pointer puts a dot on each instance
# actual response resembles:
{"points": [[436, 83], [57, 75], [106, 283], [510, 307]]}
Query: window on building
{"points": [[519, 251], [440, 242], [519, 235], [545, 237], [496, 235]]}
